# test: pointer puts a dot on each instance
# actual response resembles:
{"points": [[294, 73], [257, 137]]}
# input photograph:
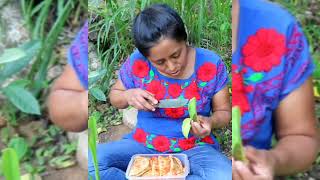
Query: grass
{"points": [[110, 33]]}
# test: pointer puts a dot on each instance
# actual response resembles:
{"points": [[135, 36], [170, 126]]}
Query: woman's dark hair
{"points": [[155, 22]]}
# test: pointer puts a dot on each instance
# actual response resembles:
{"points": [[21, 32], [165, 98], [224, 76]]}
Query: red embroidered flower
{"points": [[161, 143], [174, 112], [140, 68], [207, 71], [192, 91], [140, 135], [239, 91], [207, 139], [156, 88], [186, 144], [174, 90], [264, 50]]}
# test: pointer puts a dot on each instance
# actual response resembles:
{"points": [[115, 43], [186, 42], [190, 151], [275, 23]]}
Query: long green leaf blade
{"points": [[10, 164], [11, 55], [237, 147]]}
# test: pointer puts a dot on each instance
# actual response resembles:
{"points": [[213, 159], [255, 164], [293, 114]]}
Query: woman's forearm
{"points": [[294, 154], [220, 119], [69, 109], [118, 98]]}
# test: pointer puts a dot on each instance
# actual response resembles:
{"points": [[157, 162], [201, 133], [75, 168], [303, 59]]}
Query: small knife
{"points": [[172, 103]]}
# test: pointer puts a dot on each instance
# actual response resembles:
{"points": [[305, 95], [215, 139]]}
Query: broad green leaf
{"points": [[93, 136], [186, 126], [31, 49], [22, 99], [1, 167], [192, 108], [255, 77], [20, 146], [20, 82], [237, 147], [97, 93], [94, 76], [11, 55], [10, 164]]}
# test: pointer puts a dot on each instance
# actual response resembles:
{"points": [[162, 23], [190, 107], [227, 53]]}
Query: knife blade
{"points": [[172, 103]]}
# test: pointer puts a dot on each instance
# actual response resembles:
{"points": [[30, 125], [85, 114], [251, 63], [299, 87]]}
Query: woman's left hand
{"points": [[202, 127], [260, 166]]}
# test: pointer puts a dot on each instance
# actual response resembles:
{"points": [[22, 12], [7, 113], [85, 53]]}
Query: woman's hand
{"points": [[141, 99], [202, 127], [260, 166]]}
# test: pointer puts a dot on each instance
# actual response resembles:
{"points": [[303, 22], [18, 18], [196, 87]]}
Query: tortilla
{"points": [[155, 166], [140, 166], [164, 165], [176, 167]]}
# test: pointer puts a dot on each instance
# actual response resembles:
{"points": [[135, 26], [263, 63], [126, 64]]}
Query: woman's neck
{"points": [[235, 20]]}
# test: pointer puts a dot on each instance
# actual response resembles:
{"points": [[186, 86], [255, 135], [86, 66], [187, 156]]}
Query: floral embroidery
{"points": [[264, 50], [192, 91], [140, 136], [239, 91], [207, 139], [207, 71], [165, 144], [186, 144], [140, 68], [156, 88], [161, 143], [174, 113], [174, 90]]}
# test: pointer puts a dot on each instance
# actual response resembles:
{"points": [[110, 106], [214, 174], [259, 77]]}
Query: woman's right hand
{"points": [[141, 99]]}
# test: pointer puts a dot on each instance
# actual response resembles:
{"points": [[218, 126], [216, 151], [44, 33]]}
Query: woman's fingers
{"points": [[145, 103], [198, 130], [150, 97]]}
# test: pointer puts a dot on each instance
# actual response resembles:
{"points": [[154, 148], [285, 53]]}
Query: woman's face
{"points": [[169, 57]]}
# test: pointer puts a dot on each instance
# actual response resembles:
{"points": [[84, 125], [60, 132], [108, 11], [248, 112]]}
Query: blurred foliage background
{"points": [[34, 38]]}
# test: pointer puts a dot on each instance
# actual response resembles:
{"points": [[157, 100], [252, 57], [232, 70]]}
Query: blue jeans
{"points": [[206, 163]]}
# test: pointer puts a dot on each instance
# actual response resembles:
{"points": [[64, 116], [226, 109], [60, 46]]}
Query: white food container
{"points": [[183, 158]]}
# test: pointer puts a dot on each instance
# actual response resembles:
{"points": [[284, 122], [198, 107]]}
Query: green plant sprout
{"points": [[237, 147], [186, 124], [93, 136], [10, 164]]}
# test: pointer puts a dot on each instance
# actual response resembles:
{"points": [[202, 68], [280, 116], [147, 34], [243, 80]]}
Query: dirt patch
{"points": [[72, 173], [114, 133]]}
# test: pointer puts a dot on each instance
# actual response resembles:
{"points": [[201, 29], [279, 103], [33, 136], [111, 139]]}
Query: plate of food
{"points": [[158, 166]]}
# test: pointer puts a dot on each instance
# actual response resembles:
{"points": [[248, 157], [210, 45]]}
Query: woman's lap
{"points": [[113, 159]]}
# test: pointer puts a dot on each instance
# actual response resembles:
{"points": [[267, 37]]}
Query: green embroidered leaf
{"points": [[201, 143], [192, 108], [255, 77], [147, 82], [185, 85], [237, 147], [150, 146], [203, 84], [151, 74], [176, 149], [165, 83], [186, 126]]}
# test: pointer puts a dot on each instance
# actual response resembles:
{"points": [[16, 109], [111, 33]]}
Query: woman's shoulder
{"points": [[206, 55], [267, 12]]}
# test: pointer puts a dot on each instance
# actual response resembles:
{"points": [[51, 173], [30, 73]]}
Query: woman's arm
{"points": [[138, 98], [68, 102], [221, 108], [296, 129], [220, 118], [298, 140]]}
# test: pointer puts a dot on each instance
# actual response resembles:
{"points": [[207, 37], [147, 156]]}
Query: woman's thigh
{"points": [[208, 163], [117, 154]]}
